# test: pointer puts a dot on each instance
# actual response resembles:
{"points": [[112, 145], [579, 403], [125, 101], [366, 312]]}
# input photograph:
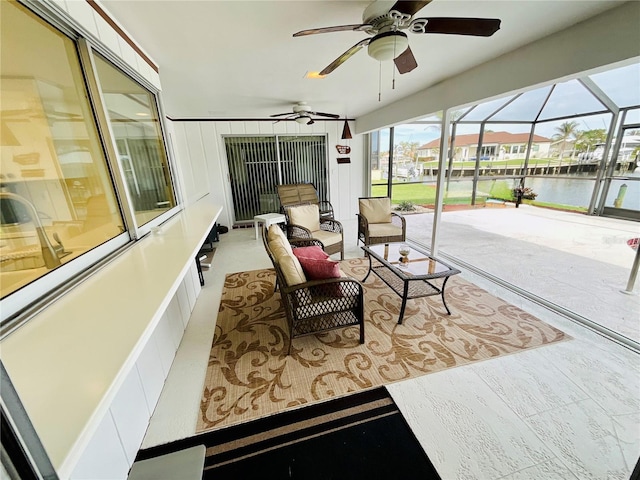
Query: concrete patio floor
{"points": [[576, 261]]}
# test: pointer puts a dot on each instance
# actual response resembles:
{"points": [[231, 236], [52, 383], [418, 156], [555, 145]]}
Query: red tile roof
{"points": [[489, 138]]}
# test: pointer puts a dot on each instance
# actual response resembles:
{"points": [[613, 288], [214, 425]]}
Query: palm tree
{"points": [[566, 131]]}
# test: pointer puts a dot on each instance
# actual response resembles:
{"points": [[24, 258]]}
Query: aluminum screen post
{"points": [[634, 272]]}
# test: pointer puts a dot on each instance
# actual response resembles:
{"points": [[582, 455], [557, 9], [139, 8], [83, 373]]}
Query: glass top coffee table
{"points": [[415, 275]]}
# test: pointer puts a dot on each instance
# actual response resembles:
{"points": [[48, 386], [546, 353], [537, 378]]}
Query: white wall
{"points": [[202, 162]]}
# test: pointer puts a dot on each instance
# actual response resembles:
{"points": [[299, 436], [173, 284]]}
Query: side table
{"points": [[268, 219]]}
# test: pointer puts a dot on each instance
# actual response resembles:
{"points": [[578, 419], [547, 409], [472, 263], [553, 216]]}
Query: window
{"points": [[67, 200], [56, 193], [135, 125]]}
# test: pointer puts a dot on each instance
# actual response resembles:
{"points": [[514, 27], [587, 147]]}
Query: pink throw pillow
{"points": [[313, 252], [316, 269]]}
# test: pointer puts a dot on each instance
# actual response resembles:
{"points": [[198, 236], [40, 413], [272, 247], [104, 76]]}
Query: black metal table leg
{"points": [[404, 302], [442, 295], [369, 272]]}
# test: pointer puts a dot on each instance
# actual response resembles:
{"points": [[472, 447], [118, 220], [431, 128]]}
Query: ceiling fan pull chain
{"points": [[379, 80], [393, 75]]}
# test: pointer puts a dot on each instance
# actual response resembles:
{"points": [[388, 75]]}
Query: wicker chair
{"points": [[317, 305], [377, 223], [298, 193], [304, 221]]}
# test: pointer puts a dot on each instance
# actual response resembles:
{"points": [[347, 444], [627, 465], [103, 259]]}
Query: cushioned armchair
{"points": [[377, 223], [298, 193], [316, 295], [304, 221]]}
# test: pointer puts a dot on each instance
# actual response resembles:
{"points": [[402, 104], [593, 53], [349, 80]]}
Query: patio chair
{"points": [[298, 193], [304, 222], [377, 223]]}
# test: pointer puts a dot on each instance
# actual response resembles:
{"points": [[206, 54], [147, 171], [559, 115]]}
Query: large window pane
{"points": [[380, 163], [135, 124], [56, 195]]}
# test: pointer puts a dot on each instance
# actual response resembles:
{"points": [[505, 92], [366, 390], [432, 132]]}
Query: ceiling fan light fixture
{"points": [[388, 45], [303, 119]]}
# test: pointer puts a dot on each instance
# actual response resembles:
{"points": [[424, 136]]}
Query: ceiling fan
{"points": [[302, 114], [384, 20]]}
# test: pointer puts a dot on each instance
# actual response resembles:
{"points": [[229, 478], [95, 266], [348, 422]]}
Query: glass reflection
{"points": [[135, 125], [56, 198]]}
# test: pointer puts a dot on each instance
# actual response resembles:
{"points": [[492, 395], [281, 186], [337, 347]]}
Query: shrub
{"points": [[406, 206], [527, 193]]}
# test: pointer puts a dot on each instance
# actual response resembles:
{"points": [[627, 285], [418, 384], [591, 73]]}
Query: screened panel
{"points": [[621, 85], [570, 98], [485, 110], [524, 108], [632, 117]]}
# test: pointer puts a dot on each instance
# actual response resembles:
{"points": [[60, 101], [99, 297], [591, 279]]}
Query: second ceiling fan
{"points": [[302, 113], [384, 20]]}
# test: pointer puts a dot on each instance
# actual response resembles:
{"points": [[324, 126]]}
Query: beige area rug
{"points": [[250, 375]]}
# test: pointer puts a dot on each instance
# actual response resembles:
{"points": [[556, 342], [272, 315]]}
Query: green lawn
{"points": [[459, 193]]}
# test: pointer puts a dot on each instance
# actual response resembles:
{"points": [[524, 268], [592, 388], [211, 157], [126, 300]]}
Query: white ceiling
{"points": [[238, 59]]}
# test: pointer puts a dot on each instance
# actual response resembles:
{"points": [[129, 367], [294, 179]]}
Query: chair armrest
{"points": [[306, 242], [298, 231], [398, 220], [363, 223], [350, 287], [330, 225]]}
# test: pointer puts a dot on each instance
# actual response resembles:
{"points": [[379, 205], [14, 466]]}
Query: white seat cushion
{"points": [[384, 230], [327, 238]]}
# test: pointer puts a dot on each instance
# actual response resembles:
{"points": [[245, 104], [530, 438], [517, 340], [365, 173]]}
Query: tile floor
{"points": [[564, 411]]}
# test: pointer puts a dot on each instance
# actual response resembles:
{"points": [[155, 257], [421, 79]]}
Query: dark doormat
{"points": [[360, 436]]}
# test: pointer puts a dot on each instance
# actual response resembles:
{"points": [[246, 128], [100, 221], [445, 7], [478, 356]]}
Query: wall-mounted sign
{"points": [[344, 160], [343, 149]]}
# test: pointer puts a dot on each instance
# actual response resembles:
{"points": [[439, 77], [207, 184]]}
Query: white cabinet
{"points": [[104, 457], [113, 447]]}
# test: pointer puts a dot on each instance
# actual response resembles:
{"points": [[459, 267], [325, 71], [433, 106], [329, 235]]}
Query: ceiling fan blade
{"points": [[345, 56], [310, 122], [409, 8], [320, 114], [405, 62], [337, 28], [479, 27], [287, 117]]}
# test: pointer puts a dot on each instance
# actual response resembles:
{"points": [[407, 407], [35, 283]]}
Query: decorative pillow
{"points": [[307, 216], [376, 210], [313, 251], [320, 269]]}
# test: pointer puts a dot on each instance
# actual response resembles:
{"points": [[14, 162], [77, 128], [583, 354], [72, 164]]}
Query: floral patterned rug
{"points": [[250, 375]]}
